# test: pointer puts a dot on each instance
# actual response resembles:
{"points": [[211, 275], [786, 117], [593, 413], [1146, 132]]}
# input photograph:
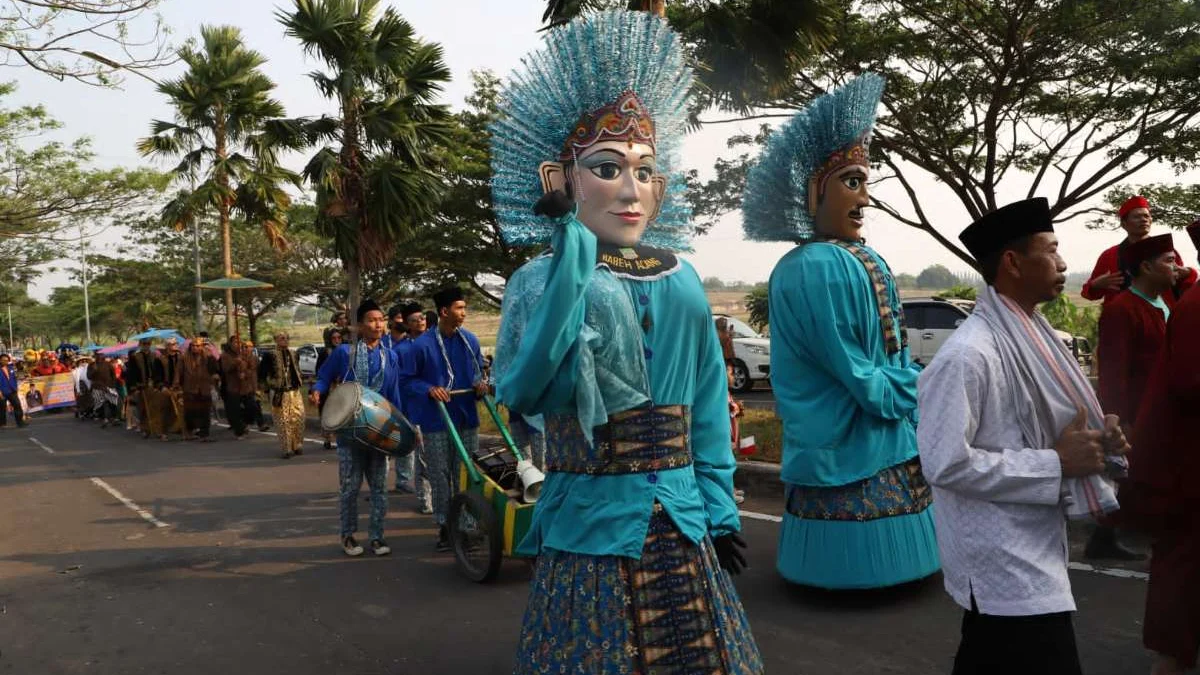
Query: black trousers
{"points": [[16, 405], [252, 412], [1043, 644], [235, 413]]}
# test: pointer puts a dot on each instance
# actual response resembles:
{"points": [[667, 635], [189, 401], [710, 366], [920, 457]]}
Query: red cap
{"points": [[1134, 202], [1193, 231]]}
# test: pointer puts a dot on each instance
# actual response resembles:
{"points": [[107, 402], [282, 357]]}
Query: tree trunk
{"points": [[231, 327], [353, 291]]}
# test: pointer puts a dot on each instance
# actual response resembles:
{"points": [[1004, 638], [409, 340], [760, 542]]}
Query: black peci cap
{"points": [[996, 230]]}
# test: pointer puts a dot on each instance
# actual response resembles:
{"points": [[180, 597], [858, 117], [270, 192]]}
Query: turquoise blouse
{"points": [[576, 337], [849, 409]]}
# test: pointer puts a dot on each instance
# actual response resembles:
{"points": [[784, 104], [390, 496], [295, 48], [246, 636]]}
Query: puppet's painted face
{"points": [[616, 186], [839, 211]]}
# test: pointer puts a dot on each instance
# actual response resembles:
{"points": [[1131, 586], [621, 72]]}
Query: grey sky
{"points": [[478, 34]]}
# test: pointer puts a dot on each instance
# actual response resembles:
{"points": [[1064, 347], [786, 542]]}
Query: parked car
{"points": [[930, 321], [751, 352], [306, 359]]}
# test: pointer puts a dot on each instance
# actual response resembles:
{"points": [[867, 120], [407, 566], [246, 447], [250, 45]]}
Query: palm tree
{"points": [[377, 185], [226, 135], [748, 51]]}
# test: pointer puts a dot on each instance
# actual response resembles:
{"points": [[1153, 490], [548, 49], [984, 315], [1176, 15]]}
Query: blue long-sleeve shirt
{"points": [[848, 407], [424, 367], [8, 381], [578, 338], [338, 366]]}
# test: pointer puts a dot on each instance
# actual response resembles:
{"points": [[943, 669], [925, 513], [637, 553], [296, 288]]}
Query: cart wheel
{"points": [[475, 536]]}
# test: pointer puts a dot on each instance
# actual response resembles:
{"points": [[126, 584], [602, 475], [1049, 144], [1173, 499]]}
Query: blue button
{"points": [[644, 299], [653, 478], [649, 352]]}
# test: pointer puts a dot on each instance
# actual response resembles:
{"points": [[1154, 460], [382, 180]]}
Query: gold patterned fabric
{"points": [[289, 421], [150, 408], [170, 405]]}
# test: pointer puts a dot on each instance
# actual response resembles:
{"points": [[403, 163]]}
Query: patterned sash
{"points": [[641, 440], [896, 491], [890, 316]]}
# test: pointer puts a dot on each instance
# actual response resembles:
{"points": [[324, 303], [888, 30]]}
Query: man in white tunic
{"points": [[1008, 427]]}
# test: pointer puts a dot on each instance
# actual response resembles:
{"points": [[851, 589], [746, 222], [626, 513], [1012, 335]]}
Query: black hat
{"points": [[448, 296], [367, 305], [1133, 255], [410, 308], [1193, 231], [994, 231]]}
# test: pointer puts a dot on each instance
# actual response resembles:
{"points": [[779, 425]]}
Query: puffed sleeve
{"points": [[712, 451], [833, 303]]}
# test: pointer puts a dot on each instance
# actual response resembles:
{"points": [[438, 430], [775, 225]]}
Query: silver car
{"points": [[306, 359]]}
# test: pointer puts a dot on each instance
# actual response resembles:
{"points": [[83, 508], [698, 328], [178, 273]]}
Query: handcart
{"points": [[493, 505]]}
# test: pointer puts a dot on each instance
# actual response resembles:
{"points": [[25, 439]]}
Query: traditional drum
{"points": [[361, 416]]}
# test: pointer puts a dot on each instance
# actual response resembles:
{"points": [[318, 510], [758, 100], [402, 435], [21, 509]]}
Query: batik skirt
{"points": [[674, 611]]}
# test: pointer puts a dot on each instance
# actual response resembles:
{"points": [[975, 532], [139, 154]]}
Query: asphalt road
{"points": [[246, 576], [760, 396]]}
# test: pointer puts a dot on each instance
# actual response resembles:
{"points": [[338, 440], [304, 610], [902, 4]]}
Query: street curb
{"points": [[758, 478]]}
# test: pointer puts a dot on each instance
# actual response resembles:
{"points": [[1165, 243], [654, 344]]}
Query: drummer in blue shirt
{"points": [[439, 361], [367, 362]]}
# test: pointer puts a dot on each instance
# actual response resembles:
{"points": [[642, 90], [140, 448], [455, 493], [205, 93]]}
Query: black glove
{"points": [[554, 204], [728, 555]]}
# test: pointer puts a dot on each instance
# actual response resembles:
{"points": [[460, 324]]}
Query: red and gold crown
{"points": [[858, 154], [625, 119]]}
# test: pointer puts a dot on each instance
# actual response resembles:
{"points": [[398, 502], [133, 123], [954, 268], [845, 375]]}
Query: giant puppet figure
{"points": [[858, 510], [607, 342]]}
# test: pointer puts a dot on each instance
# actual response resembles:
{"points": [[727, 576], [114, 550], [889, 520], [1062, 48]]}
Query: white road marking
{"points": [[1078, 566], [760, 516], [41, 445], [129, 503], [271, 433], [1109, 571]]}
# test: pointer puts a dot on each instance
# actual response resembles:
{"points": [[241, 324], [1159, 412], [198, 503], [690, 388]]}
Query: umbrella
{"points": [[91, 348], [155, 334], [235, 282], [119, 350]]}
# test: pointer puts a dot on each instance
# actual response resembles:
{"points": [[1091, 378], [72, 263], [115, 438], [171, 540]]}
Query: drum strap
{"points": [[450, 366], [360, 365]]}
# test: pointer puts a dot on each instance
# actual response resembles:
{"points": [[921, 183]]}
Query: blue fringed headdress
{"points": [[586, 67], [830, 133]]}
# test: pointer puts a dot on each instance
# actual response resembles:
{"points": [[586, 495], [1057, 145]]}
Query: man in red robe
{"points": [[1111, 274], [1133, 327], [1162, 493]]}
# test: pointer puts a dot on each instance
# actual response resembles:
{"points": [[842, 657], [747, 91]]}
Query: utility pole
{"points": [[10, 339], [87, 313], [196, 250]]}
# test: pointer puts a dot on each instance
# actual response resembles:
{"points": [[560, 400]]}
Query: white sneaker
{"points": [[739, 496], [380, 547], [351, 547]]}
